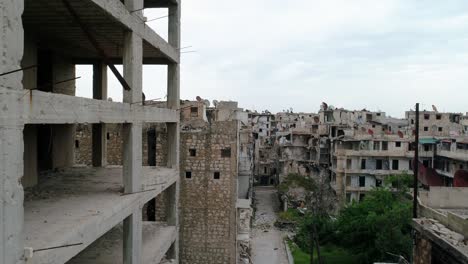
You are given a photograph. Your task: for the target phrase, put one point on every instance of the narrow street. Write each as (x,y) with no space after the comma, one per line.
(267,243)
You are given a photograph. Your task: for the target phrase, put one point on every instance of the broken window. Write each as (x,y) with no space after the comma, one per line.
(188,174)
(440,129)
(362,181)
(378,182)
(395,164)
(363,164)
(427,116)
(193,111)
(378,165)
(398,144)
(216,175)
(193,152)
(438,116)
(226,153)
(426,129)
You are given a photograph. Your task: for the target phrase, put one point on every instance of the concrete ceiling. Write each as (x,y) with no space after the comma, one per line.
(50,24)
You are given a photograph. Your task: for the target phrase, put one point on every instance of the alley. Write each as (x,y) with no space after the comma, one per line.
(267,243)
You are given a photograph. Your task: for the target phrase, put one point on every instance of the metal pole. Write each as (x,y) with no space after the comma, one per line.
(416,165)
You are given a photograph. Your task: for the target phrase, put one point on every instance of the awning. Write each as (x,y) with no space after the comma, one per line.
(425,141)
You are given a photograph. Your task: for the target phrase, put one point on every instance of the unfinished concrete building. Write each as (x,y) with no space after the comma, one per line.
(53,212)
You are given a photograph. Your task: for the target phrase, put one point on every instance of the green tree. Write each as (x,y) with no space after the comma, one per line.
(377,225)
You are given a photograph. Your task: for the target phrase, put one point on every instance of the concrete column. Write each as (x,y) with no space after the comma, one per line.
(63,136)
(99,130)
(173,129)
(11,134)
(132,137)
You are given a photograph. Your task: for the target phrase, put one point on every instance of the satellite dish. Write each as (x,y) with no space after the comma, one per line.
(215,103)
(400,134)
(434,108)
(370,131)
(199,99)
(206,102)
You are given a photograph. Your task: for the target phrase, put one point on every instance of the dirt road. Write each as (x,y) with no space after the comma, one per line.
(267,242)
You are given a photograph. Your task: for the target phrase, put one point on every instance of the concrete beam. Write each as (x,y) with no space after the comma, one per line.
(131,20)
(36,107)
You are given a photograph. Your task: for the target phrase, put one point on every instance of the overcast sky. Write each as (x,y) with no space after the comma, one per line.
(271,54)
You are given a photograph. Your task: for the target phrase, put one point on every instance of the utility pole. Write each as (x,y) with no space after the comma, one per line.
(416,165)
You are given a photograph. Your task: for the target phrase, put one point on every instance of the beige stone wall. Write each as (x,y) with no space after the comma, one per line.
(83,144)
(207,205)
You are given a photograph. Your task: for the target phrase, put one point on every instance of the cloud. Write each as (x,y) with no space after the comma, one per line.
(271,54)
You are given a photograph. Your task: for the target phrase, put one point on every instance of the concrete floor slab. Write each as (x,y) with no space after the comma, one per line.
(79,205)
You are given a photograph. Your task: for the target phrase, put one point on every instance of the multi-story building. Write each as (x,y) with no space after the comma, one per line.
(216,170)
(51,211)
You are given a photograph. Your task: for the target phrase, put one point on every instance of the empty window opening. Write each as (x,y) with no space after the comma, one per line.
(226,153)
(361,197)
(384,145)
(426,163)
(426,129)
(77,144)
(193,152)
(363,164)
(108,136)
(438,117)
(427,147)
(216,175)
(395,165)
(362,181)
(440,129)
(265,170)
(193,111)
(188,174)
(378,165)
(398,144)
(426,116)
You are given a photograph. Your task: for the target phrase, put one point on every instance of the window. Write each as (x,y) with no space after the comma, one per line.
(362,181)
(216,175)
(378,182)
(440,129)
(426,116)
(410,165)
(265,170)
(348,197)
(426,163)
(108,136)
(398,144)
(395,164)
(378,164)
(384,145)
(427,147)
(77,144)
(363,164)
(348,164)
(260,130)
(188,174)
(267,125)
(193,152)
(461,166)
(438,117)
(378,114)
(193,111)
(412,121)
(376,145)
(426,129)
(226,153)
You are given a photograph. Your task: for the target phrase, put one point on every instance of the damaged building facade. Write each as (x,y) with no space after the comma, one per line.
(216,169)
(54,211)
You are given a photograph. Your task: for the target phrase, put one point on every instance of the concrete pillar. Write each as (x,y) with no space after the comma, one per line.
(63,136)
(173,129)
(132,139)
(11,134)
(99,151)
(30,177)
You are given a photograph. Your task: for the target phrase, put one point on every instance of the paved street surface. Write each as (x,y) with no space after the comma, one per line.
(267,242)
